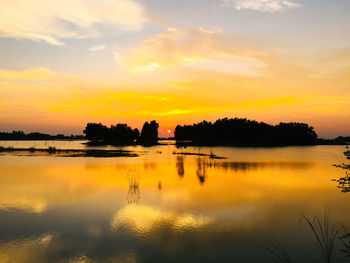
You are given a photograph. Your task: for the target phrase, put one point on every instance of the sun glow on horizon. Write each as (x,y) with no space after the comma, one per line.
(129,62)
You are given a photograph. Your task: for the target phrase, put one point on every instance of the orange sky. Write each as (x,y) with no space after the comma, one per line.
(269,62)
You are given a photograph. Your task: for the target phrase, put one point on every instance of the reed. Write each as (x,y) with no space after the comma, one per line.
(325,234)
(278,254)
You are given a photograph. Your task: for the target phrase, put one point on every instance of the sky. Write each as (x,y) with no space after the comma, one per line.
(66,63)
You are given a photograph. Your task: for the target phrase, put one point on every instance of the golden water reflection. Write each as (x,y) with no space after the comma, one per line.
(165,207)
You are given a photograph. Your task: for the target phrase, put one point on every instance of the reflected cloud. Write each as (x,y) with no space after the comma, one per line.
(143,218)
(84,217)
(27,250)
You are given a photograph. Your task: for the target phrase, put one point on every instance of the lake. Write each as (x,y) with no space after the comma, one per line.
(162,207)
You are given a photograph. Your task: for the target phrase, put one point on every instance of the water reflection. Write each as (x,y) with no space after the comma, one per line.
(247,166)
(143,218)
(133,195)
(180,168)
(149,166)
(201,170)
(86,209)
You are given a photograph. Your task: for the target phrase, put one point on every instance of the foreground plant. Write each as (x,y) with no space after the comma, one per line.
(324,233)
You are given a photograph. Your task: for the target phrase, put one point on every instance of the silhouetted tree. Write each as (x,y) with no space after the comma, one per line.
(149,133)
(123,134)
(96,132)
(116,134)
(246,132)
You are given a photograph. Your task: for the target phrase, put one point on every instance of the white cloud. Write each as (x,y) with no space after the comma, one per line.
(52,21)
(148,68)
(262,5)
(193,49)
(97,48)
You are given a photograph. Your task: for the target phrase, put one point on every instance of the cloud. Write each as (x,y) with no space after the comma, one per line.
(97,48)
(192,49)
(150,67)
(262,5)
(171,112)
(143,218)
(53,21)
(29,79)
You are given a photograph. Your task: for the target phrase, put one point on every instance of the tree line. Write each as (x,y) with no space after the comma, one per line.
(122,134)
(246,132)
(233,131)
(20,135)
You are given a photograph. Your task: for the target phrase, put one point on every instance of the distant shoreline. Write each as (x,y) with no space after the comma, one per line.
(185,144)
(56,152)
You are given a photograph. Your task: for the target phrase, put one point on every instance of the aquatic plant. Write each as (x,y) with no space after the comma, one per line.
(278,254)
(6,149)
(347,154)
(211,154)
(343,183)
(51,149)
(32,149)
(325,234)
(133,195)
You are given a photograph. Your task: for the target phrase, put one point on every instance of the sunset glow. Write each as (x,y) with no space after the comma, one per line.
(174,131)
(133,61)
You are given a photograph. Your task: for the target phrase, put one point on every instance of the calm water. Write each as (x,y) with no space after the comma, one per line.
(160,207)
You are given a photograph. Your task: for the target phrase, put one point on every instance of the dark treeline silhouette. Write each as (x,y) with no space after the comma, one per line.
(116,134)
(122,134)
(245,132)
(20,135)
(340,140)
